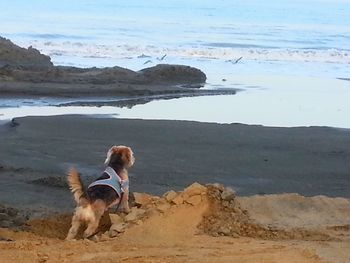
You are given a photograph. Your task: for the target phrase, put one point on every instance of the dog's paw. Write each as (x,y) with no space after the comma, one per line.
(93,238)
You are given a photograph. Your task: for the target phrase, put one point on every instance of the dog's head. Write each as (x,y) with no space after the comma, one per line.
(120,156)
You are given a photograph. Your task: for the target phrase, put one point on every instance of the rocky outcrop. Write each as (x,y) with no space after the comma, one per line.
(11,217)
(161,74)
(27,71)
(15,57)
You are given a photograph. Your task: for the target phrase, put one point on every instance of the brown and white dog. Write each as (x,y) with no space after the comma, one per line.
(111,188)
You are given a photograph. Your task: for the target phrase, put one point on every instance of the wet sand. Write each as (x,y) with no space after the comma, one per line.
(35,153)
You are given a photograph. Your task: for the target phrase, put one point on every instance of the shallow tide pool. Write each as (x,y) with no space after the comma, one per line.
(281,101)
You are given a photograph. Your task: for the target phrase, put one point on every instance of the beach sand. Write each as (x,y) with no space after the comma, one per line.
(273,171)
(198,224)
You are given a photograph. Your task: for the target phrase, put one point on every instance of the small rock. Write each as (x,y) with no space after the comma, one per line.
(5,223)
(234,234)
(178,200)
(155,198)
(134,214)
(228,194)
(194,200)
(2,209)
(116,219)
(42,257)
(224,230)
(6,239)
(112,234)
(142,199)
(117,229)
(170,196)
(4,216)
(195,189)
(217,186)
(163,207)
(19,220)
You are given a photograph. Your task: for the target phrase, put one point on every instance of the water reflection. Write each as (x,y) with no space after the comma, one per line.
(281,101)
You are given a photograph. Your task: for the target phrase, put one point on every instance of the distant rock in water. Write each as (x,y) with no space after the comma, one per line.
(174,73)
(13,56)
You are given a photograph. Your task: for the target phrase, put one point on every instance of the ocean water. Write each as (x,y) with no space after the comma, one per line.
(288,57)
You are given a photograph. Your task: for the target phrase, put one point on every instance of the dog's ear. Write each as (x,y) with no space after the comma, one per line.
(109,154)
(127,156)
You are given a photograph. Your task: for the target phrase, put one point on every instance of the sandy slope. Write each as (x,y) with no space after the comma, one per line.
(31,248)
(174,229)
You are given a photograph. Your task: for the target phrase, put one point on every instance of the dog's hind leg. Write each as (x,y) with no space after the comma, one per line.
(74,228)
(99,209)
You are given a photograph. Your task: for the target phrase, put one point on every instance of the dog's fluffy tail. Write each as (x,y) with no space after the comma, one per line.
(76,186)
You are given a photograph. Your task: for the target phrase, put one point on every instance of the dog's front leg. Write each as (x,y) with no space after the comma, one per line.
(125,202)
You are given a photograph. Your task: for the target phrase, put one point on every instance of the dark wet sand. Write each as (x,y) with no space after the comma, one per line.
(36,152)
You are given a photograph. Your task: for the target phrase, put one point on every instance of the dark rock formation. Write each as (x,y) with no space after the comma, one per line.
(13,56)
(173,73)
(27,71)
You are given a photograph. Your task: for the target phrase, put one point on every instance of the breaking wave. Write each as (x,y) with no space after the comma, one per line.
(229,53)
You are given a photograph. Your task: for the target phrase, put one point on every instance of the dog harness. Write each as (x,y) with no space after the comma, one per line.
(114,181)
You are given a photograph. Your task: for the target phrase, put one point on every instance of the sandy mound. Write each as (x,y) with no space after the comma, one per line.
(227,217)
(294,210)
(216,211)
(194,225)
